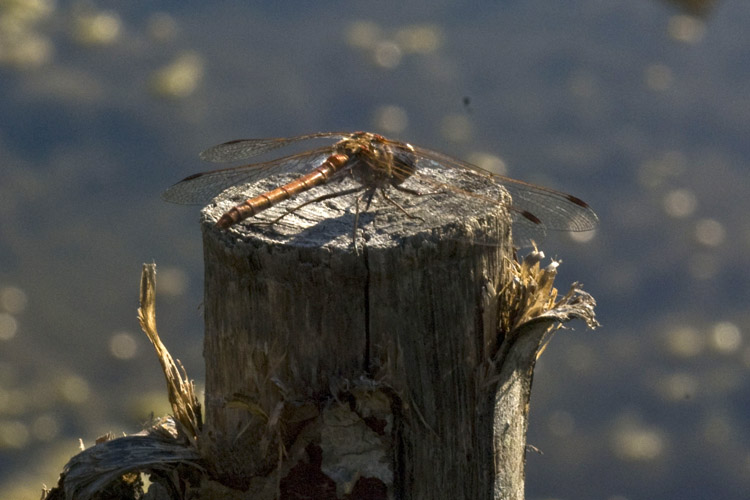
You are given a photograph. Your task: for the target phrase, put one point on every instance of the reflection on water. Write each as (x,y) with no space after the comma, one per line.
(386,46)
(180,78)
(96,28)
(632,440)
(123,345)
(8,326)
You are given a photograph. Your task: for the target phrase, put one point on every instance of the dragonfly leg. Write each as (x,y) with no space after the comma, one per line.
(369,194)
(417,193)
(397,205)
(407,190)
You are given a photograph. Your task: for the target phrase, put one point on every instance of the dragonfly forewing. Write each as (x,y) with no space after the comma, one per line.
(247,148)
(202,188)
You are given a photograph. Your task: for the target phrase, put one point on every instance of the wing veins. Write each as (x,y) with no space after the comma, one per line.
(556,210)
(202,188)
(241,149)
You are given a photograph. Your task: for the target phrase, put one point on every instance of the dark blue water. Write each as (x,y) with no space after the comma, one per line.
(625,104)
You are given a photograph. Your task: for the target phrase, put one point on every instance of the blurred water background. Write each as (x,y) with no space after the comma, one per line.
(640,107)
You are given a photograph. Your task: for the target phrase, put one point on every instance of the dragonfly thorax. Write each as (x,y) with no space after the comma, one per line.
(375,163)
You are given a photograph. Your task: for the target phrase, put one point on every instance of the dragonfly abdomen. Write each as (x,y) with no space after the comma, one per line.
(253,206)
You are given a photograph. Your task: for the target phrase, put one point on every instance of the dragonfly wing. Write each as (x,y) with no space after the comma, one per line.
(247,148)
(202,188)
(534,205)
(556,210)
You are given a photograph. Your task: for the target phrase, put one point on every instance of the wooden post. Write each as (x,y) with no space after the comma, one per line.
(402,370)
(377,374)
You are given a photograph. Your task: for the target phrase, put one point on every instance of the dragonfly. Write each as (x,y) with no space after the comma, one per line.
(376,164)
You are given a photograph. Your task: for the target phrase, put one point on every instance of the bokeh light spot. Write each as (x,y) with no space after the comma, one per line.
(13,434)
(686,29)
(489,162)
(709,232)
(8,326)
(122,345)
(456,128)
(171,281)
(726,337)
(391,119)
(680,203)
(638,444)
(74,389)
(100,28)
(684,342)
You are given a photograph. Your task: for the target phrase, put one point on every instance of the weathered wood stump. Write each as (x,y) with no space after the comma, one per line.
(397,368)
(373,374)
